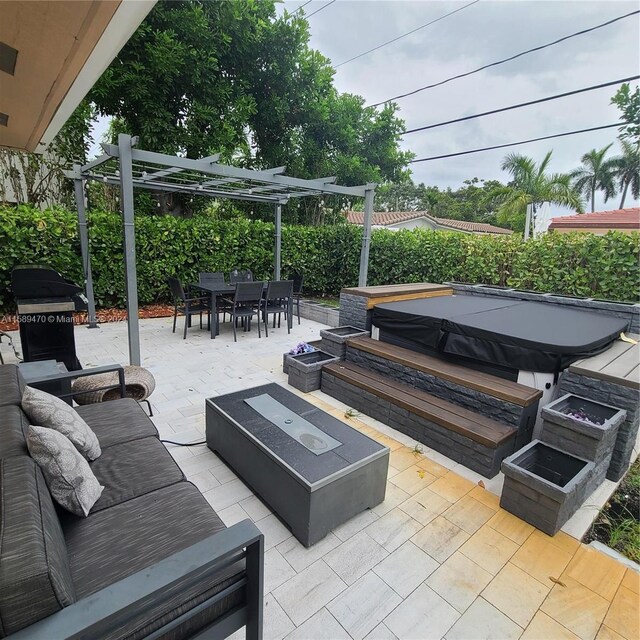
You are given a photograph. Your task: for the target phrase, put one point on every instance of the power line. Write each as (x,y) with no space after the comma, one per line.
(324,6)
(522,104)
(302,6)
(514,144)
(517,55)
(384,44)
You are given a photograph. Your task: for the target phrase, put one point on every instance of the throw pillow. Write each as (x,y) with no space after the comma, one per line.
(71,482)
(51,412)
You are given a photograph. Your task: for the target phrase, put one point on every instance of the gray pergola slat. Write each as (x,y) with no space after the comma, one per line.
(265,186)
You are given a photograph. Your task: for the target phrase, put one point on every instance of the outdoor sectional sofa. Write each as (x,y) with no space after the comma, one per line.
(152,559)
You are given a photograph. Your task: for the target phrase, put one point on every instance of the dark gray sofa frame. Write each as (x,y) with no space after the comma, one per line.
(111,609)
(100,612)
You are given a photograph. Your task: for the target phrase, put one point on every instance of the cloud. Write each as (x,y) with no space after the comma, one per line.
(483,33)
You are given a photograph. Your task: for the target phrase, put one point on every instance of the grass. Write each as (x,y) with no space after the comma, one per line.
(618,525)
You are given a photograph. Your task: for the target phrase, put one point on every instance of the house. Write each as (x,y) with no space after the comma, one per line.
(396,220)
(599,222)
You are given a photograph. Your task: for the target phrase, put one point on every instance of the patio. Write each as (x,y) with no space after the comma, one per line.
(438,558)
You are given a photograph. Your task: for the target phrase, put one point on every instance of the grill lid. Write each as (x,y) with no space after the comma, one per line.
(40,281)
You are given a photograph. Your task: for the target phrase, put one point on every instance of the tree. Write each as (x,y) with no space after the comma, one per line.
(38,178)
(629,103)
(201,77)
(627,170)
(531,185)
(595,174)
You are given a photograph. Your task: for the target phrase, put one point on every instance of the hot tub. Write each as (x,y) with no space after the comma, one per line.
(503,337)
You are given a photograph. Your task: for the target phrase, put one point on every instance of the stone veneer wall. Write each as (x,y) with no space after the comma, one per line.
(318,312)
(353,312)
(476,401)
(617,396)
(629,312)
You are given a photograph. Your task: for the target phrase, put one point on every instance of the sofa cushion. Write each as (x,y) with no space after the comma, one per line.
(45,410)
(114,543)
(131,469)
(11,385)
(35,580)
(71,482)
(13,431)
(117,421)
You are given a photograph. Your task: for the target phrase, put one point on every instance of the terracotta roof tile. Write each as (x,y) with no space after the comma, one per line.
(615,219)
(387,218)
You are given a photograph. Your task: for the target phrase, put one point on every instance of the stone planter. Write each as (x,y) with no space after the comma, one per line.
(544,486)
(285,356)
(334,341)
(592,438)
(305,369)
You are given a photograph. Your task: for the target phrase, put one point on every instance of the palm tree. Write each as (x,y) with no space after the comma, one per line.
(532,185)
(627,169)
(595,174)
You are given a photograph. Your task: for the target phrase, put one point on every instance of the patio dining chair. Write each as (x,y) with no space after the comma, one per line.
(298,281)
(247,303)
(277,301)
(185,303)
(240,275)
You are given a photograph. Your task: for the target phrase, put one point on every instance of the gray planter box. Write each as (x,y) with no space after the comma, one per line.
(593,438)
(305,370)
(285,356)
(334,341)
(544,486)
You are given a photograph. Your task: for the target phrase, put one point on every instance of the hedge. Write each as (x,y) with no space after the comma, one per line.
(575,264)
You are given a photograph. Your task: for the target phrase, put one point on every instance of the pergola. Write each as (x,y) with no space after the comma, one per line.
(129,167)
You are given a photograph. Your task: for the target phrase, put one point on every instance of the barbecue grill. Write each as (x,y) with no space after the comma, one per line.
(45,305)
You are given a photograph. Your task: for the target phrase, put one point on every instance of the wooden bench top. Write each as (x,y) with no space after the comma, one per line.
(448,415)
(619,364)
(477,380)
(391,290)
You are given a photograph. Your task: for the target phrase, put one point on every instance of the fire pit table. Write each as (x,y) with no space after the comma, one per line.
(312,469)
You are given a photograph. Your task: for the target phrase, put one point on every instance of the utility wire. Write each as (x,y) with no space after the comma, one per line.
(514,144)
(302,6)
(517,55)
(404,35)
(522,104)
(324,6)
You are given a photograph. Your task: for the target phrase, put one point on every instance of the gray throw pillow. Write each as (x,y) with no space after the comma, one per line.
(71,482)
(51,412)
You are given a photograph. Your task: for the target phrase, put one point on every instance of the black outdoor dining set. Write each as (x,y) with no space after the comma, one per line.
(240,297)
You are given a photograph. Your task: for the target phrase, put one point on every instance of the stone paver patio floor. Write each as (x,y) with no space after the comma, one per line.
(437,559)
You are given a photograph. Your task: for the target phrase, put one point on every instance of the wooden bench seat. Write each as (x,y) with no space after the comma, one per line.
(477,380)
(476,441)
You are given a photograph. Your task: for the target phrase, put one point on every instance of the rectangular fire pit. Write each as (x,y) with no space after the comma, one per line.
(312,469)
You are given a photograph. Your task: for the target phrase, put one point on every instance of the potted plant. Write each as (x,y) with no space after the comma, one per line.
(301,347)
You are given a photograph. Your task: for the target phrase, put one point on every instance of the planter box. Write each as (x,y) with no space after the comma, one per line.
(305,369)
(592,438)
(544,486)
(285,356)
(334,341)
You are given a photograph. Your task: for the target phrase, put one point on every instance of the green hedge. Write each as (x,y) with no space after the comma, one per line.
(575,264)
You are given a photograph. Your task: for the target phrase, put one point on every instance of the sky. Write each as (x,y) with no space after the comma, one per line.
(484,32)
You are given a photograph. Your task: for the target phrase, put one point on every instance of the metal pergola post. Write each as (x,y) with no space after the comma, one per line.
(277,257)
(369,193)
(126,200)
(83,234)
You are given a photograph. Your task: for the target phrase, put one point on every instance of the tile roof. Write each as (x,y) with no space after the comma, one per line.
(388,218)
(615,219)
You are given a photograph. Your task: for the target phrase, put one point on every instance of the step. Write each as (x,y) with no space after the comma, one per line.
(486,383)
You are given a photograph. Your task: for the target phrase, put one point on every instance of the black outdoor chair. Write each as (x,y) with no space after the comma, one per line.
(217,278)
(247,303)
(277,302)
(298,281)
(240,275)
(188,305)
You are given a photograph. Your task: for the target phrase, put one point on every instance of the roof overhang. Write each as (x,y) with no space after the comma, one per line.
(63,47)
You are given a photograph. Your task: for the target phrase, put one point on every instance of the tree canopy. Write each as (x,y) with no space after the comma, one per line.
(201,77)
(596,174)
(629,104)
